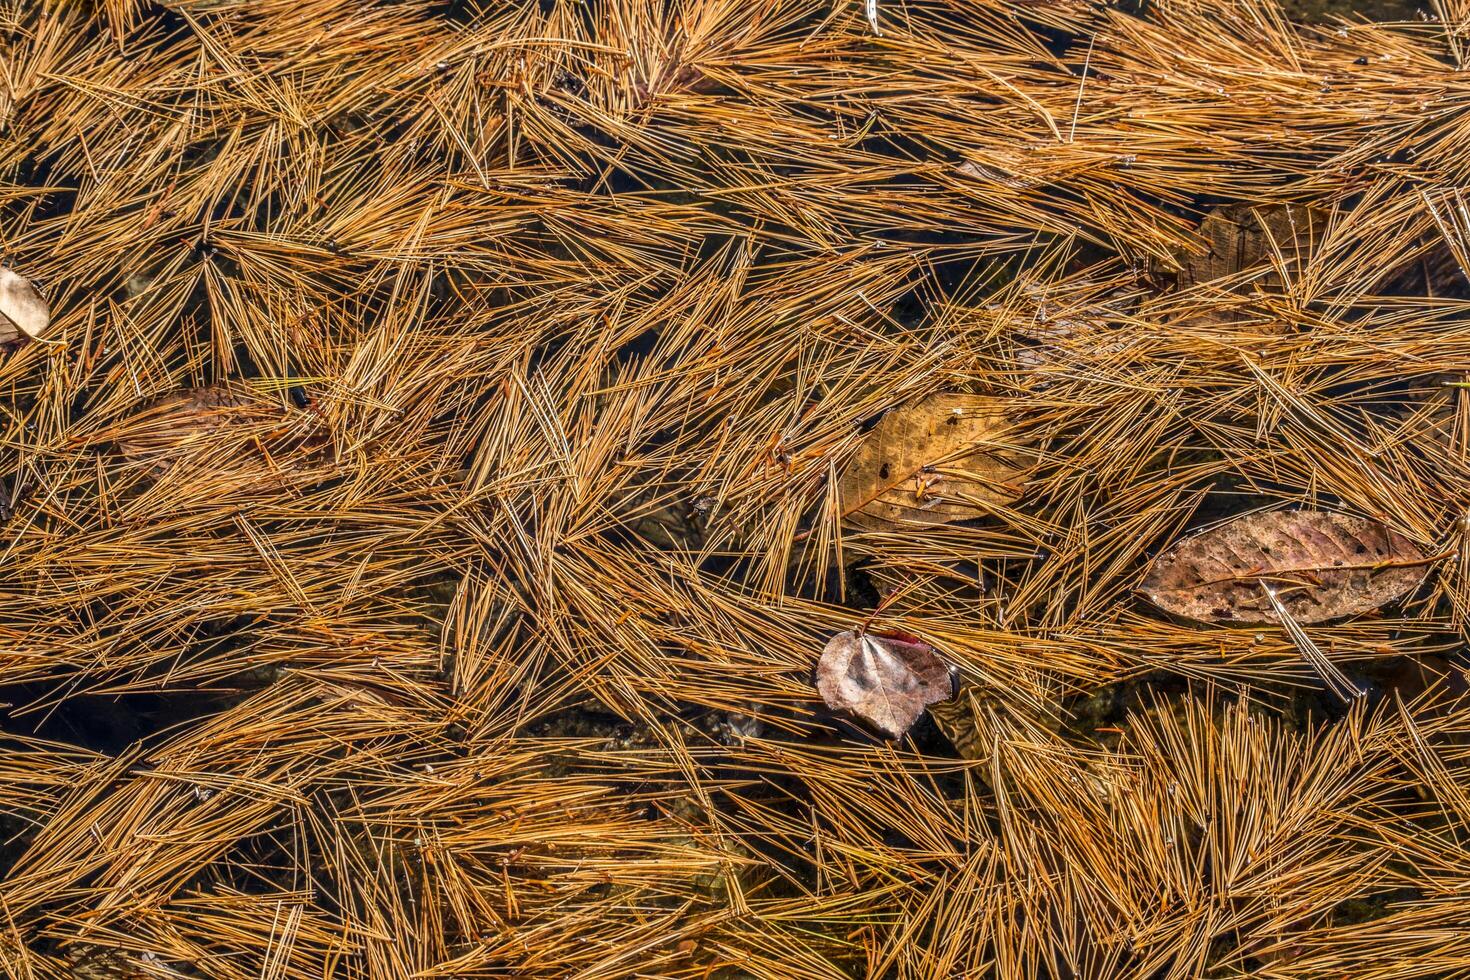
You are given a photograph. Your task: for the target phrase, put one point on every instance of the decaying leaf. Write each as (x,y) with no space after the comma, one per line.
(978,717)
(932,461)
(885,680)
(163,431)
(1240,237)
(23,311)
(1320,566)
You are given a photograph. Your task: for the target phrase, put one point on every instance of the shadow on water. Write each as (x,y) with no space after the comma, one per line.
(108,724)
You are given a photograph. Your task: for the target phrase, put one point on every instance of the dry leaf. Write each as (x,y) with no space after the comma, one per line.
(932,461)
(166,429)
(887,681)
(23,311)
(1337,682)
(1240,237)
(1320,565)
(1246,250)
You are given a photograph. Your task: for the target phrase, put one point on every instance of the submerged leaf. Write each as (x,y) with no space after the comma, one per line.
(1320,566)
(978,718)
(23,311)
(887,681)
(933,461)
(162,432)
(1239,238)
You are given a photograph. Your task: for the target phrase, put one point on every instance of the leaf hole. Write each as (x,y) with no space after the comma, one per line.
(883,473)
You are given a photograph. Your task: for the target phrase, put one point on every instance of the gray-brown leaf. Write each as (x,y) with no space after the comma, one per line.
(23,311)
(1322,566)
(933,461)
(886,681)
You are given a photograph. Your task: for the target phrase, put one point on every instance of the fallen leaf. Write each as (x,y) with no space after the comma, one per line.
(1337,682)
(1320,566)
(978,718)
(168,428)
(23,311)
(1241,237)
(932,461)
(885,680)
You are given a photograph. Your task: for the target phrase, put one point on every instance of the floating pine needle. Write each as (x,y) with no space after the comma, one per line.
(1337,682)
(472,417)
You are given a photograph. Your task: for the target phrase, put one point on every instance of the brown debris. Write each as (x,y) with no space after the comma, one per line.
(1241,239)
(1321,566)
(594,298)
(933,461)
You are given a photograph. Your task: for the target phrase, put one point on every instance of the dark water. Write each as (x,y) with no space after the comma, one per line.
(1318,11)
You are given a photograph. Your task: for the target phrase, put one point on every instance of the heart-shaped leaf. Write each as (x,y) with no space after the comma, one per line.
(1320,566)
(933,461)
(887,681)
(23,311)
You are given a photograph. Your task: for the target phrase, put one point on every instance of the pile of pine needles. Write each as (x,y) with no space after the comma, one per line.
(420,521)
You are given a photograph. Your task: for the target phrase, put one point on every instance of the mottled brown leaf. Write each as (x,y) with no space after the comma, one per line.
(887,681)
(933,461)
(1321,566)
(1240,237)
(979,717)
(171,427)
(23,311)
